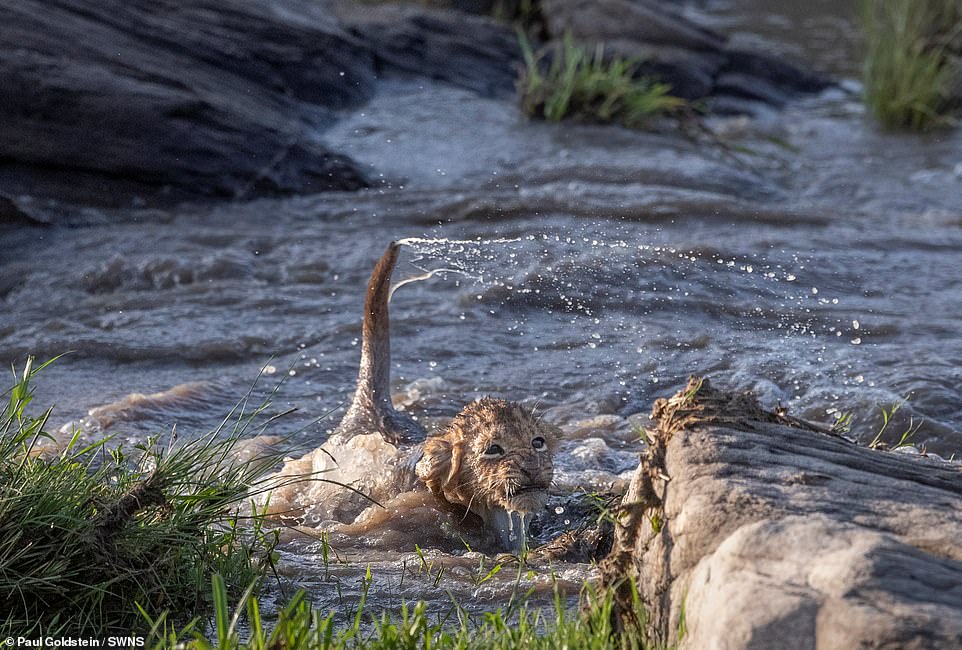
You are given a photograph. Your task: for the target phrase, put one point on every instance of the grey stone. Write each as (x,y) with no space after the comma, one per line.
(203,98)
(750,529)
(473,52)
(645,22)
(697,62)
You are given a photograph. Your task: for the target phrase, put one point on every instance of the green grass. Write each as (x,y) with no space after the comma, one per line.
(301,627)
(909,69)
(91,537)
(905,438)
(568,82)
(98,541)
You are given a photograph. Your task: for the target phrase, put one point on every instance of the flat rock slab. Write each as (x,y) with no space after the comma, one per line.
(472,52)
(697,62)
(749,529)
(203,98)
(118,101)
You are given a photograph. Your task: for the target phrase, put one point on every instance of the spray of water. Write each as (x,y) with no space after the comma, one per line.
(458,252)
(646,310)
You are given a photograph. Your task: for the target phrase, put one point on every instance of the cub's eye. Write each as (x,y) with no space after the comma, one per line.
(538,444)
(494,451)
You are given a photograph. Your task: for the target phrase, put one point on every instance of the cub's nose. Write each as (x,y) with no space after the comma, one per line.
(531,467)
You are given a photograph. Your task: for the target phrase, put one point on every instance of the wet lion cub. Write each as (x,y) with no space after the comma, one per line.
(494,459)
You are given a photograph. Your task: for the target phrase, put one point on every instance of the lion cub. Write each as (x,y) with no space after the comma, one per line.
(495,460)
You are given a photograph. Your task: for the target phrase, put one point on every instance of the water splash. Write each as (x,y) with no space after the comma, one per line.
(455,251)
(415,242)
(648,309)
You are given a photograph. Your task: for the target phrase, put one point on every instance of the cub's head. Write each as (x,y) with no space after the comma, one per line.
(495,456)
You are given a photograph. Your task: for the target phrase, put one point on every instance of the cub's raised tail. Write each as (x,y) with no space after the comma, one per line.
(371,410)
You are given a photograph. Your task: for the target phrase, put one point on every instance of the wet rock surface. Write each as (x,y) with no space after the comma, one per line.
(746,528)
(697,62)
(216,99)
(472,52)
(120,103)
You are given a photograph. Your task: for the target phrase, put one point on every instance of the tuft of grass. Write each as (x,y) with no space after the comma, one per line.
(94,537)
(300,627)
(906,437)
(910,70)
(843,423)
(568,82)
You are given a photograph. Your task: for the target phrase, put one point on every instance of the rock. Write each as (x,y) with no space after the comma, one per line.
(697,62)
(473,52)
(691,73)
(208,98)
(593,426)
(11,213)
(580,406)
(745,528)
(637,20)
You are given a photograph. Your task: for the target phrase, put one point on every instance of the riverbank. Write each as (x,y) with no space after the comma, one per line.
(724,488)
(591,270)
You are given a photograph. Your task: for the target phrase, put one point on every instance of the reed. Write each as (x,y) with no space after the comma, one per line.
(568,82)
(911,71)
(98,541)
(300,627)
(91,537)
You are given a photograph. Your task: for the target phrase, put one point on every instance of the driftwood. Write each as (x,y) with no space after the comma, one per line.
(744,528)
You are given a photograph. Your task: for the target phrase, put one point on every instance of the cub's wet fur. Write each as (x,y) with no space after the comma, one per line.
(371,410)
(494,459)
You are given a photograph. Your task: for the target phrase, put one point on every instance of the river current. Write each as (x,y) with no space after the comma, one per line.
(590,270)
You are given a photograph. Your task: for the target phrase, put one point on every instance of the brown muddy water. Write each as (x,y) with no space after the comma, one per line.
(590,270)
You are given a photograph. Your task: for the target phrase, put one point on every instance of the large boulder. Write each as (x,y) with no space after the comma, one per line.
(220,98)
(473,52)
(749,529)
(697,62)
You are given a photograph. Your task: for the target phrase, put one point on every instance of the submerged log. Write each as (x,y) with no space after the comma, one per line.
(745,528)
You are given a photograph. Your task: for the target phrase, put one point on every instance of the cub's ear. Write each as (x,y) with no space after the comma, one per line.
(440,464)
(435,464)
(457,458)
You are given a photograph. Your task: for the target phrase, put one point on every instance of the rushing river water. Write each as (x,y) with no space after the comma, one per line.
(601,268)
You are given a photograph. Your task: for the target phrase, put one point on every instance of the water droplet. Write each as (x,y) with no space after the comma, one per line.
(855,324)
(559,510)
